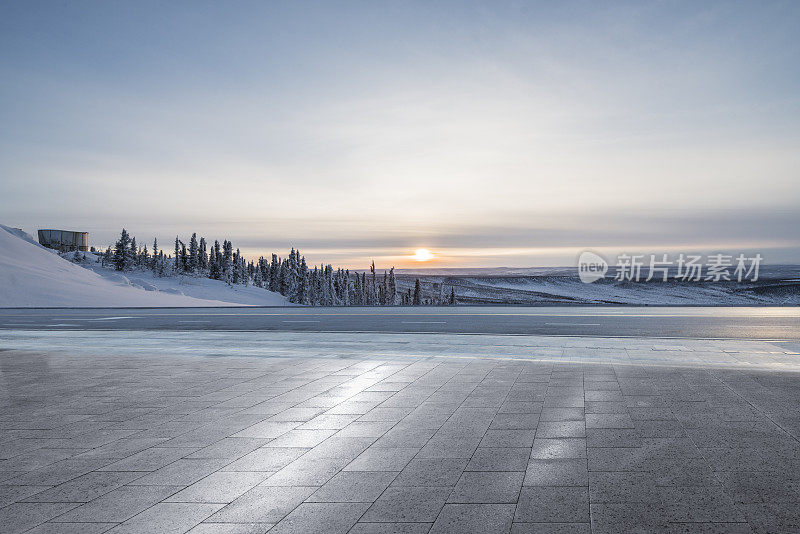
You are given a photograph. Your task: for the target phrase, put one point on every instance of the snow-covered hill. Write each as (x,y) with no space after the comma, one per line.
(33,276)
(565,288)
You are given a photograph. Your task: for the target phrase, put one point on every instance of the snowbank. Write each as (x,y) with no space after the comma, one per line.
(33,276)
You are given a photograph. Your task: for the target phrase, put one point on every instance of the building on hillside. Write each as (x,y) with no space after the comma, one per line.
(64,240)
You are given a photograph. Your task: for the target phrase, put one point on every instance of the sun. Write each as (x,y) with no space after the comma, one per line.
(422,254)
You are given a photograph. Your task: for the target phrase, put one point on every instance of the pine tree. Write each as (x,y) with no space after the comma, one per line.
(392,300)
(373,292)
(203,257)
(108,258)
(184,258)
(227,262)
(194,260)
(452,296)
(177,254)
(302,295)
(417,294)
(154,265)
(123,260)
(134,252)
(263,266)
(364,290)
(214,271)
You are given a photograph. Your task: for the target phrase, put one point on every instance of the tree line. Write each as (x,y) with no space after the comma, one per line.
(290,276)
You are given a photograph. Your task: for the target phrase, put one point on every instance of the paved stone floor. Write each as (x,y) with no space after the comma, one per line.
(163,443)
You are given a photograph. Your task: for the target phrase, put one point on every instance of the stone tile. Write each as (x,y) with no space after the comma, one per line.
(612,518)
(167,518)
(366,429)
(353,486)
(460,518)
(118,505)
(301,438)
(487,487)
(551,528)
(433,472)
(231,528)
(321,518)
(181,472)
(229,448)
(72,528)
(328,421)
(84,488)
(219,487)
(23,516)
(59,472)
(12,494)
(499,459)
(550,448)
(390,528)
(407,504)
(149,459)
(557,472)
(455,447)
(608,420)
(405,437)
(563,414)
(263,504)
(561,429)
(340,447)
(267,429)
(553,505)
(699,504)
(618,459)
(267,459)
(711,528)
(383,459)
(613,437)
(515,421)
(622,487)
(307,472)
(508,438)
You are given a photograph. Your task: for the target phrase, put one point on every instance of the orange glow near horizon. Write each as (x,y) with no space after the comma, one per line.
(423,254)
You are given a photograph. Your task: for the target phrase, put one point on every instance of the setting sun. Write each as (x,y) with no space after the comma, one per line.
(422,254)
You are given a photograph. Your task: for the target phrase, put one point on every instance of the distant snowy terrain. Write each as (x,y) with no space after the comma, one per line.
(33,276)
(778,287)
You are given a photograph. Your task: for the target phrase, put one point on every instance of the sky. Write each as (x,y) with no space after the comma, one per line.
(491,133)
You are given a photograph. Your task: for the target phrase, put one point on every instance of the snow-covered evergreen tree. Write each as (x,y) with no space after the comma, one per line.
(392,289)
(154,262)
(227,262)
(123,259)
(184,263)
(417,294)
(373,290)
(194,255)
(134,252)
(202,258)
(108,258)
(213,262)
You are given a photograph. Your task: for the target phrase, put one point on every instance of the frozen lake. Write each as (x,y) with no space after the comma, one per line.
(762,323)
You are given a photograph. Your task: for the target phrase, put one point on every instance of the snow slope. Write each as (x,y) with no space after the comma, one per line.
(198,287)
(33,276)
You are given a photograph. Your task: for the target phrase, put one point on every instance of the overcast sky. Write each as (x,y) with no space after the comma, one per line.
(492,133)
